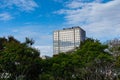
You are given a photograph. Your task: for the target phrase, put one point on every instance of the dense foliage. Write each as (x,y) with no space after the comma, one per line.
(91,61)
(18,60)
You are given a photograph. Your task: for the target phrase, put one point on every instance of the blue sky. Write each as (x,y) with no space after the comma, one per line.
(37,19)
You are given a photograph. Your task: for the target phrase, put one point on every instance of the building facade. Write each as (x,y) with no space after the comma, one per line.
(67,39)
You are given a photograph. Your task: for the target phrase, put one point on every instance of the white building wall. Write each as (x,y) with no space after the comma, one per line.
(68,39)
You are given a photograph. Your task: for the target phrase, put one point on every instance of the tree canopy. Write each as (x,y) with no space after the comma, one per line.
(90,61)
(18,60)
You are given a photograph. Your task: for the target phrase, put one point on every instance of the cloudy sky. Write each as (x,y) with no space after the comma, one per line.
(37,19)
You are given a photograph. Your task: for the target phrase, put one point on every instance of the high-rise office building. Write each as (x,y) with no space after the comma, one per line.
(67,39)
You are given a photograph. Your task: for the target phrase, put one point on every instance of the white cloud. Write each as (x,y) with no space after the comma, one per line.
(5,16)
(37,32)
(42,38)
(100,20)
(23,5)
(75,4)
(45,50)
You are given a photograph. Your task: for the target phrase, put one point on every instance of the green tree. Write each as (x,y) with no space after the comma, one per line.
(88,62)
(18,60)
